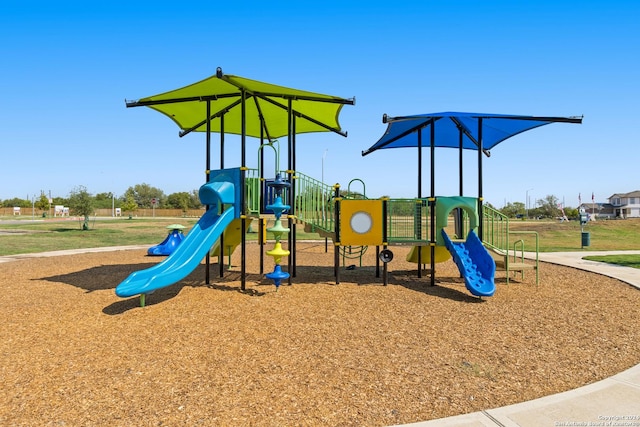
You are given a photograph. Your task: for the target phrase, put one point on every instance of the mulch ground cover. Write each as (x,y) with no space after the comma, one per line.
(314,353)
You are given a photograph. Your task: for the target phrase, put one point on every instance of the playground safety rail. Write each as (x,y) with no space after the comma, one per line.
(313,199)
(408,221)
(314,202)
(496,236)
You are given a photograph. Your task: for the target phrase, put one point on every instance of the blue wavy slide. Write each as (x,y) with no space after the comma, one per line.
(475,263)
(193,248)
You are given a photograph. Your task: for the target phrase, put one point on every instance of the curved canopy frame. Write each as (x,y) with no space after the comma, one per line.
(459,130)
(267,107)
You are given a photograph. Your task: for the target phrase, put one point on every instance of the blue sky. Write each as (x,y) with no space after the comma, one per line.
(67,68)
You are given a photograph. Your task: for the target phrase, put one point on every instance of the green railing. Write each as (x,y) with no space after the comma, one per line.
(408,221)
(314,203)
(519,251)
(253,186)
(497,236)
(495,229)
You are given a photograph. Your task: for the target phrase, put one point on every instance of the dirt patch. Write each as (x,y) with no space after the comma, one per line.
(314,353)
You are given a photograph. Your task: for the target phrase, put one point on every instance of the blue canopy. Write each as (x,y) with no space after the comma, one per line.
(458,130)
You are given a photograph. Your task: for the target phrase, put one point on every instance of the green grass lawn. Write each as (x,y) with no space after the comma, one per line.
(603,235)
(623,260)
(558,236)
(52,235)
(25,236)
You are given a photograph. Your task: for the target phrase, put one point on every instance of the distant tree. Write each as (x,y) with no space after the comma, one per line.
(548,207)
(42,203)
(81,203)
(180,200)
(144,193)
(60,201)
(194,200)
(571,212)
(129,204)
(512,210)
(104,200)
(17,202)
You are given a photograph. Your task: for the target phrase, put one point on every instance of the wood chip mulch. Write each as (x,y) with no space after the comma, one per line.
(311,354)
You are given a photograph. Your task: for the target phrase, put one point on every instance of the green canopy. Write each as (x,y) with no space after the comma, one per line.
(267,107)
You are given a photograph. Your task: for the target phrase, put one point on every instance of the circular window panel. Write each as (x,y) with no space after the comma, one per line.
(361,222)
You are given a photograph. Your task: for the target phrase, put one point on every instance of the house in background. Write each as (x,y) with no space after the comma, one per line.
(626,205)
(621,205)
(598,210)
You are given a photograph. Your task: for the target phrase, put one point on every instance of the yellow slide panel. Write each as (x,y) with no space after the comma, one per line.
(441,252)
(232,236)
(361,222)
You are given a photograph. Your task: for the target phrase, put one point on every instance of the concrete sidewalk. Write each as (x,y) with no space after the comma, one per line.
(614,401)
(9,258)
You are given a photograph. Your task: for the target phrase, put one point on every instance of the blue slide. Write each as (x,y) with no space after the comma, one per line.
(475,264)
(183,260)
(186,257)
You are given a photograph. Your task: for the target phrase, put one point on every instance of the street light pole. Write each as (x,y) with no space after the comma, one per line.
(526,201)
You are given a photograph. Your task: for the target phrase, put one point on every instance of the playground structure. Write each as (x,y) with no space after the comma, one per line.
(480,240)
(278,208)
(348,222)
(387,222)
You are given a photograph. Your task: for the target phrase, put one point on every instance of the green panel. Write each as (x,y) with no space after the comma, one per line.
(408,221)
